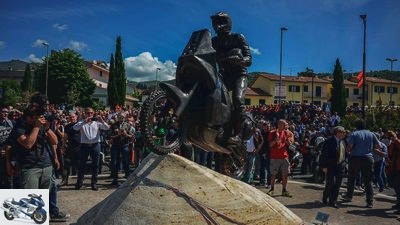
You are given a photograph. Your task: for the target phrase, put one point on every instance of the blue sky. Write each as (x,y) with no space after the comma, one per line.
(154,32)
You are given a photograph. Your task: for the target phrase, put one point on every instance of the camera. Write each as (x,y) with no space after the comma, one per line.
(49,117)
(40,101)
(94,118)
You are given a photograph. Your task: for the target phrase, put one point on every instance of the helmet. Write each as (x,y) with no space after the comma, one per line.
(221,22)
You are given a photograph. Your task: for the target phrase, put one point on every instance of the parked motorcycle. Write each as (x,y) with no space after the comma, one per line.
(31,207)
(197,110)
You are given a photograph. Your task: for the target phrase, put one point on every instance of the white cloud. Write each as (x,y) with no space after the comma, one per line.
(39,43)
(60,27)
(34,59)
(2,44)
(144,66)
(255,51)
(76,45)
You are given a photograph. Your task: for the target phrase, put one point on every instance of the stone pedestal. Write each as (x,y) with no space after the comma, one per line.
(173,190)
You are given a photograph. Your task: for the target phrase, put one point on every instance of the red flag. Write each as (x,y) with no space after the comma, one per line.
(277,107)
(360,79)
(359,75)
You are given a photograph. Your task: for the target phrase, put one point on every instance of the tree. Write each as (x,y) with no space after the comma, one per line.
(67,74)
(338,97)
(11,93)
(26,84)
(120,76)
(112,91)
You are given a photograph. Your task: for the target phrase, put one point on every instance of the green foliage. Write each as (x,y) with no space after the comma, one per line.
(26,84)
(120,75)
(67,74)
(97,105)
(11,93)
(384,117)
(112,91)
(338,98)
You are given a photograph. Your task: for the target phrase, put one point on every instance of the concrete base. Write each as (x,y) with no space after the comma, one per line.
(173,190)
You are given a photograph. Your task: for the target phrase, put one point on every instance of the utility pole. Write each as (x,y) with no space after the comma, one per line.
(364,18)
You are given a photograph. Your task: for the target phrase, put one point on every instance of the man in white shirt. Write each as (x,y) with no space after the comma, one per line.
(90,145)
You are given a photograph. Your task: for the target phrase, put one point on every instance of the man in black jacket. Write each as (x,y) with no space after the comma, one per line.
(332,162)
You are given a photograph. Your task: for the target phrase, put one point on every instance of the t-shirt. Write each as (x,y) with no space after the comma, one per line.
(74,136)
(363,142)
(5,129)
(278,150)
(38,156)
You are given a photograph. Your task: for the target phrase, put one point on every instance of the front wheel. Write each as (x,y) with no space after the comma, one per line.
(8,216)
(39,217)
(160,132)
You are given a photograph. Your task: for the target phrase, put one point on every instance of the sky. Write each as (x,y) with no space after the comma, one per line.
(154,32)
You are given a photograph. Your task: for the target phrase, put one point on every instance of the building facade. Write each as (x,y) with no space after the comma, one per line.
(265,89)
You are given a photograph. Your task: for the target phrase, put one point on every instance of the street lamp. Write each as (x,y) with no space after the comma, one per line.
(391,77)
(364,18)
(157,69)
(47,64)
(280,66)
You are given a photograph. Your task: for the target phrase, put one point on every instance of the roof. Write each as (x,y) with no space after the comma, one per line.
(14,65)
(256,92)
(275,77)
(97,65)
(374,80)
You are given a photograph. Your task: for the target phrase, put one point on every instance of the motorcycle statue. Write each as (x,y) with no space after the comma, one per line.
(197,110)
(31,207)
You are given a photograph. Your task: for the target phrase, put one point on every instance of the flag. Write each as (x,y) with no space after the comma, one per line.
(360,79)
(277,107)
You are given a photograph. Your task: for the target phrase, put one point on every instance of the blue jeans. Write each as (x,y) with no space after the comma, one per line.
(53,195)
(378,168)
(84,152)
(36,178)
(264,168)
(200,156)
(251,159)
(119,154)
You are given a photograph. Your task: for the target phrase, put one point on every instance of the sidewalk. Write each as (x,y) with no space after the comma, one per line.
(306,203)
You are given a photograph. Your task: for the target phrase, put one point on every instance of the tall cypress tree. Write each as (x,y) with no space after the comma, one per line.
(26,84)
(120,76)
(112,91)
(338,98)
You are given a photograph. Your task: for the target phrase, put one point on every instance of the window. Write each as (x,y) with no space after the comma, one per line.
(101,73)
(379,89)
(305,88)
(318,91)
(261,101)
(356,91)
(294,88)
(346,90)
(247,101)
(394,90)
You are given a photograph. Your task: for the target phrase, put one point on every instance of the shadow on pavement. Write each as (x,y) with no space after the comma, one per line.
(376,212)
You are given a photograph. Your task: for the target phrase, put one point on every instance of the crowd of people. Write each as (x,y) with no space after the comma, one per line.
(369,159)
(40,149)
(39,145)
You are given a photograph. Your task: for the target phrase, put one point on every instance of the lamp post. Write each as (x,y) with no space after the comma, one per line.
(364,18)
(391,77)
(47,64)
(157,69)
(280,67)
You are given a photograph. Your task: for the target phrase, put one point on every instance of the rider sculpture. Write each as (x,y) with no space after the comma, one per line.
(233,56)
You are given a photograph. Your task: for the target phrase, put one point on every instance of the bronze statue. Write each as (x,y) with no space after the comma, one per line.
(197,110)
(233,56)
